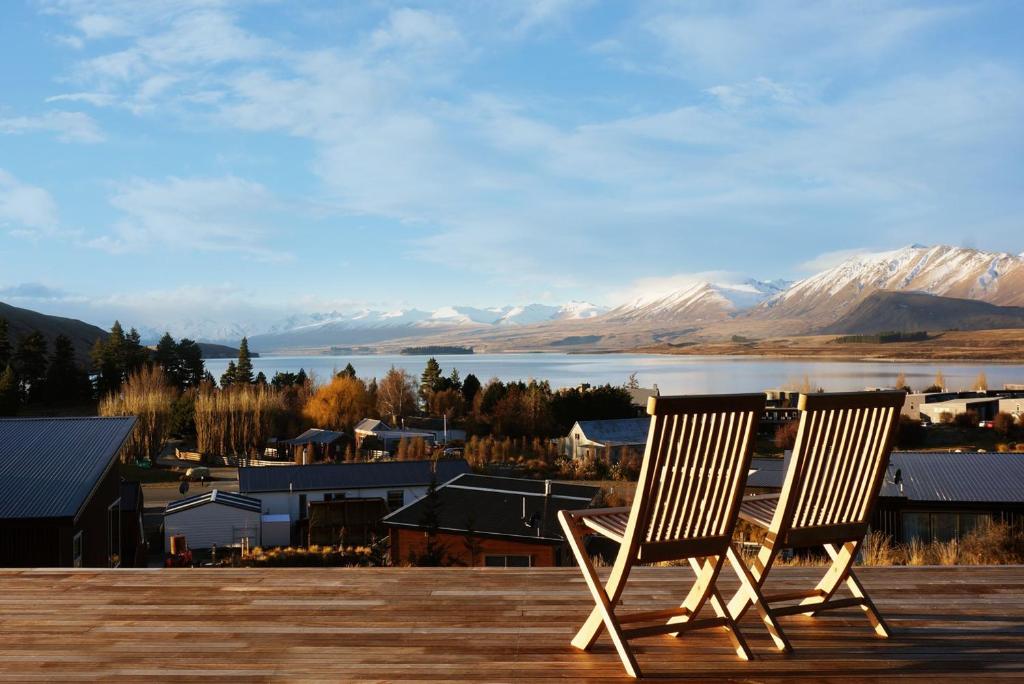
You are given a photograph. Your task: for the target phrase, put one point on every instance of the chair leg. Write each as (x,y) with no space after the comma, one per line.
(705,589)
(857,589)
(756,599)
(603,605)
(742,601)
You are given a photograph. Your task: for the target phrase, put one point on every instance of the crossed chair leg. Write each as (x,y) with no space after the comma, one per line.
(811,602)
(675,621)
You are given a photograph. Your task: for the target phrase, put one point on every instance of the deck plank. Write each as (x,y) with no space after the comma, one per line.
(456,624)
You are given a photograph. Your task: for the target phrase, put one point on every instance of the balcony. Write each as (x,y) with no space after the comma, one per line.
(461,624)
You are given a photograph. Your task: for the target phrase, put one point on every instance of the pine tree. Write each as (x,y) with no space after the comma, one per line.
(430,379)
(30,364)
(470,387)
(243,371)
(228,377)
(5,343)
(261,379)
(454,380)
(166,357)
(10,395)
(136,355)
(66,381)
(190,359)
(348,371)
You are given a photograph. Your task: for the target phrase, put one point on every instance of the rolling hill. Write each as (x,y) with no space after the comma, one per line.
(886,311)
(23,321)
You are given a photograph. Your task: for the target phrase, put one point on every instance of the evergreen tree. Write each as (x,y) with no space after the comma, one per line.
(348,371)
(66,381)
(166,357)
(10,395)
(136,355)
(301,378)
(30,364)
(190,362)
(107,358)
(243,371)
(430,379)
(454,380)
(261,379)
(5,343)
(470,387)
(228,377)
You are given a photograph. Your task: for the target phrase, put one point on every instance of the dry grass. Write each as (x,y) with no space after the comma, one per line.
(311,556)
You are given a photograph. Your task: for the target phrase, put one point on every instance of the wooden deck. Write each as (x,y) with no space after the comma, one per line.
(458,624)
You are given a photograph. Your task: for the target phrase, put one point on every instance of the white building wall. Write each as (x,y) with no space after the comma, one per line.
(1013,406)
(212,523)
(288,502)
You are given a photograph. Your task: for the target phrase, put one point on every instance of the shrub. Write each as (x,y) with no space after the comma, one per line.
(785,435)
(966,419)
(147,396)
(1003,423)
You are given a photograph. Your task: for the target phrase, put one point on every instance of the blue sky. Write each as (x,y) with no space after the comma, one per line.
(171,159)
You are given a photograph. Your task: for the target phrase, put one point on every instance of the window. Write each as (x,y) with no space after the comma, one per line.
(76,550)
(507,561)
(944,526)
(396,499)
(114,534)
(334,496)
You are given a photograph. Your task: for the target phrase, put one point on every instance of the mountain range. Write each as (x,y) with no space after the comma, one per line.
(843,298)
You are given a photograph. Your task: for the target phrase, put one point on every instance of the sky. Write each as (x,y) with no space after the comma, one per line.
(168,160)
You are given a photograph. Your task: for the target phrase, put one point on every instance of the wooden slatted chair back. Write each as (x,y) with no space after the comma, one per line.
(839,459)
(694,470)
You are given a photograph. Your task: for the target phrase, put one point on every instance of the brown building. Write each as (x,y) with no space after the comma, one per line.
(60,491)
(489,521)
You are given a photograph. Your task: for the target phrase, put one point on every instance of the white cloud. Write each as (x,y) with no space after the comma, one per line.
(828,260)
(32,291)
(416,30)
(226,214)
(26,210)
(68,126)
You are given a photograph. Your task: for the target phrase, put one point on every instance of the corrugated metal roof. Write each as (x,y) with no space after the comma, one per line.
(965,477)
(214,496)
(494,506)
(371,425)
(299,478)
(49,466)
(616,431)
(316,436)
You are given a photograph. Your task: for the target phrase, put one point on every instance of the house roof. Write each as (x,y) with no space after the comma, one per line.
(987,477)
(214,496)
(371,425)
(640,395)
(616,431)
(316,436)
(49,467)
(493,506)
(767,472)
(346,475)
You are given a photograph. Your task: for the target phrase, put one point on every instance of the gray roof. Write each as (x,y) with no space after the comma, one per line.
(493,507)
(966,477)
(767,472)
(316,436)
(616,431)
(371,425)
(346,475)
(49,467)
(640,395)
(214,496)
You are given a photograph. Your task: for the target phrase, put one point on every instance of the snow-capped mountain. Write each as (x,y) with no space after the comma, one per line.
(997,278)
(699,302)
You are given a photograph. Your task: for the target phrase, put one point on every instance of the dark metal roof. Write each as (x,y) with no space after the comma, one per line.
(299,478)
(493,506)
(371,425)
(967,477)
(616,431)
(767,473)
(316,436)
(49,467)
(214,496)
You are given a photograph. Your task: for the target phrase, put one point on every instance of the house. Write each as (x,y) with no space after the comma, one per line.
(943,496)
(1014,406)
(316,445)
(386,438)
(984,407)
(60,491)
(441,430)
(490,521)
(213,518)
(133,533)
(347,522)
(608,438)
(289,490)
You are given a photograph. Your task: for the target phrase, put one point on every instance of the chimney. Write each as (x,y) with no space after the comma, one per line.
(547,487)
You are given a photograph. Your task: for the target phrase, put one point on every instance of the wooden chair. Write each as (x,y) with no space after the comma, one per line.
(835,472)
(687,499)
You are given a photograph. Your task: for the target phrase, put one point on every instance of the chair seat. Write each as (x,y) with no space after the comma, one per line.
(610,522)
(759,509)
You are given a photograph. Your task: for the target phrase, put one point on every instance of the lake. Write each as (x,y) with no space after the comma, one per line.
(672,374)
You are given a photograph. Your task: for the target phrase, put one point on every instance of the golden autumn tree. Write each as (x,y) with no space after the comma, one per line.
(338,405)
